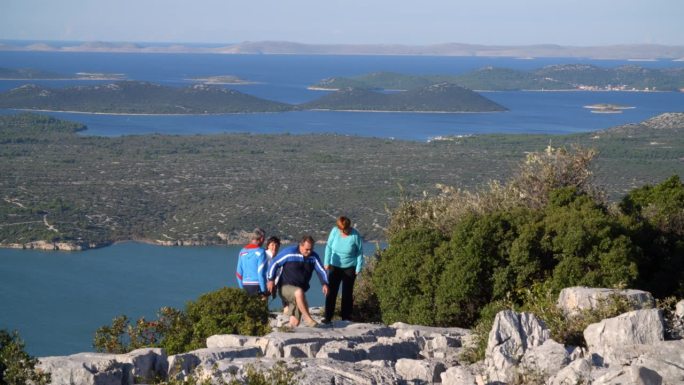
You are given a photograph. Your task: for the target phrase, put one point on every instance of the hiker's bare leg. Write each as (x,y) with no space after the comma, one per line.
(302,305)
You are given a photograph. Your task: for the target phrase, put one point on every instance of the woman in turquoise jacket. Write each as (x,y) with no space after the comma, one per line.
(343,260)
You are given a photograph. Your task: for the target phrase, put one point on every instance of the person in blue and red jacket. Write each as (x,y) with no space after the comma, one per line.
(298,262)
(251,266)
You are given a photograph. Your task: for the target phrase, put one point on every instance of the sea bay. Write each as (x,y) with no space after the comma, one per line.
(56,300)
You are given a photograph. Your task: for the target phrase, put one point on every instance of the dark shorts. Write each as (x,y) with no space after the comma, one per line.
(252,289)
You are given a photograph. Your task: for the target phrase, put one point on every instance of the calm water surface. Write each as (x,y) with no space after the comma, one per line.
(56,300)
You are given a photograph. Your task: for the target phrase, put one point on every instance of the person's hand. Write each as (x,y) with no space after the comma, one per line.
(270,286)
(326,267)
(325,290)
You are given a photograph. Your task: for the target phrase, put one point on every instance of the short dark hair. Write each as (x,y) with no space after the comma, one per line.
(307,239)
(273,239)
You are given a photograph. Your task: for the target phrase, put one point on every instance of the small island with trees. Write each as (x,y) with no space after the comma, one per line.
(579,77)
(137,97)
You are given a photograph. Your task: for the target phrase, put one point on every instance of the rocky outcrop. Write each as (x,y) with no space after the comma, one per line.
(628,349)
(572,300)
(106,369)
(512,335)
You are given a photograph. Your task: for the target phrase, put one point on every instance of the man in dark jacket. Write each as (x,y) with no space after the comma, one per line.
(298,263)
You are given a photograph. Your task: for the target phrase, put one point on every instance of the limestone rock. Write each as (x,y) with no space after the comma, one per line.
(573,299)
(458,375)
(105,369)
(679,309)
(185,363)
(421,371)
(577,372)
(607,340)
(511,336)
(545,359)
(86,369)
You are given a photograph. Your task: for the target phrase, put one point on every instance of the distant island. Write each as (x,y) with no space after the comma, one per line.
(605,108)
(442,97)
(36,74)
(221,79)
(582,77)
(636,52)
(135,97)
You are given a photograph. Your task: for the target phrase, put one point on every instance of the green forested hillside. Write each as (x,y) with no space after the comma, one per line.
(441,97)
(133,97)
(58,185)
(554,77)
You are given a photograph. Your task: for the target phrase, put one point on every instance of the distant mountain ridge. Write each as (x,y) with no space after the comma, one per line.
(621,52)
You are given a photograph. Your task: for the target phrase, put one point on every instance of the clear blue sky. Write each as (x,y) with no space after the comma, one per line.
(505,22)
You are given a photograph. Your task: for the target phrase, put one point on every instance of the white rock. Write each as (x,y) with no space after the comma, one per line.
(422,371)
(86,369)
(607,340)
(458,375)
(573,299)
(679,309)
(185,363)
(511,335)
(546,359)
(104,368)
(577,372)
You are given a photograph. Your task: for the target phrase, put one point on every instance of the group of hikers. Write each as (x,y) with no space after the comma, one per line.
(269,271)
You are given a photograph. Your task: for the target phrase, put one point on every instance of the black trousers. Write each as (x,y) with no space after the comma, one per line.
(346,277)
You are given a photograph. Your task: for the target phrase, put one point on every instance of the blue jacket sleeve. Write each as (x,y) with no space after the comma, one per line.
(239,272)
(261,271)
(322,276)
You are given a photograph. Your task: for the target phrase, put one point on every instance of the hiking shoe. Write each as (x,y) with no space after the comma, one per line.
(311,323)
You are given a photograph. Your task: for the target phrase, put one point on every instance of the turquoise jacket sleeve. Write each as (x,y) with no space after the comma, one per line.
(359,258)
(327,258)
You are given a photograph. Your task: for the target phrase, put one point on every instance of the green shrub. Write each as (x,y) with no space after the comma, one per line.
(472,262)
(657,220)
(590,247)
(16,366)
(366,303)
(406,276)
(225,311)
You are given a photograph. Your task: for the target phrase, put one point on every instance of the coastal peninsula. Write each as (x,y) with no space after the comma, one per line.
(67,190)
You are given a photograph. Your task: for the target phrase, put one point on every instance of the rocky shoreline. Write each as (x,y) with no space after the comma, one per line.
(627,349)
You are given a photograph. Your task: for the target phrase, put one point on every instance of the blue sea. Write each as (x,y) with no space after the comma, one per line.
(57,300)
(285,78)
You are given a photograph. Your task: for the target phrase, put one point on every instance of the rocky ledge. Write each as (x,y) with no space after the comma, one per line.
(628,349)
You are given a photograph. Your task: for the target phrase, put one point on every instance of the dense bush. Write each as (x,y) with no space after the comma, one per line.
(406,276)
(450,256)
(16,366)
(657,215)
(225,311)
